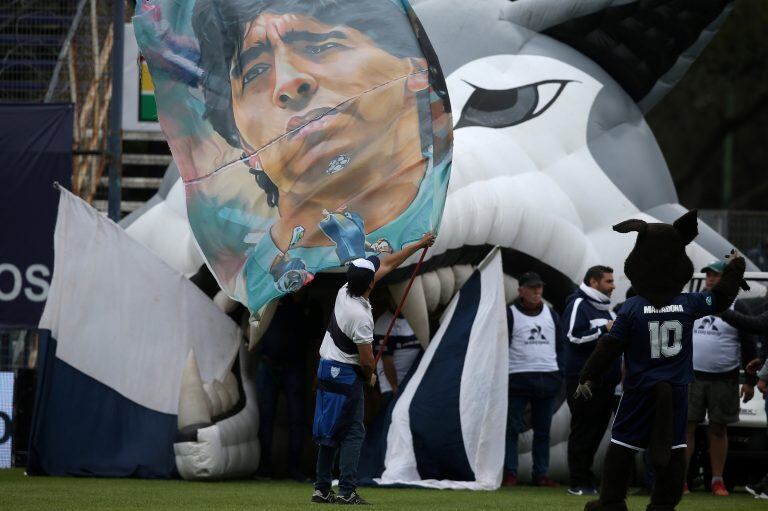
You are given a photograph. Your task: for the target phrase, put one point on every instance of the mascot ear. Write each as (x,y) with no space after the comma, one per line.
(630,226)
(688,226)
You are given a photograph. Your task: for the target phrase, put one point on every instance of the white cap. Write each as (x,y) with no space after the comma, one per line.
(363,263)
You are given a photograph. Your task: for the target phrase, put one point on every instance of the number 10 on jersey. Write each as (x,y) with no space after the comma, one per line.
(666,338)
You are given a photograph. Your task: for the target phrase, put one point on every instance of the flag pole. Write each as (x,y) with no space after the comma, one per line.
(399,306)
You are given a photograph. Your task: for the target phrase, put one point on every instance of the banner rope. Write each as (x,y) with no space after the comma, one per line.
(399,307)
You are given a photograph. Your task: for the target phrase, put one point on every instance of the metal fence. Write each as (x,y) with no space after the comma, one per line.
(59,51)
(745,229)
(31,35)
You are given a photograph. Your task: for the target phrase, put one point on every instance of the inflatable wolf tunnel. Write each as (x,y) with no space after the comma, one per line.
(550,144)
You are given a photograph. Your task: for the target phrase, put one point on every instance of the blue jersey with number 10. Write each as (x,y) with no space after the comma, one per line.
(658,343)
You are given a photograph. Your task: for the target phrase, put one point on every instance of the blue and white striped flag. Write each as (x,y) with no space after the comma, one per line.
(448,425)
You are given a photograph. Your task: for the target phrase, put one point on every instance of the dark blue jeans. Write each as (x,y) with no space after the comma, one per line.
(349,456)
(271,380)
(541,419)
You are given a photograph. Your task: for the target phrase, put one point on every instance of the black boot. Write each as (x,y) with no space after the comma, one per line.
(616,472)
(668,483)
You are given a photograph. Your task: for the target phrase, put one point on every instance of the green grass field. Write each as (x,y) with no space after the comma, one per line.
(21,493)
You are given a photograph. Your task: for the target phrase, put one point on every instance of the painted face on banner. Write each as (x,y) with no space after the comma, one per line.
(320,132)
(288,73)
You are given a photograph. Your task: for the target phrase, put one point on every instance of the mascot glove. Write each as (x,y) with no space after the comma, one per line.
(584,390)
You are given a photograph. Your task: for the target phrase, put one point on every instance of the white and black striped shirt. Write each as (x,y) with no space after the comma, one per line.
(351,324)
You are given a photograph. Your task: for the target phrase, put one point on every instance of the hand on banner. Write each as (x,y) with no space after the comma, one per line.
(427,240)
(395,259)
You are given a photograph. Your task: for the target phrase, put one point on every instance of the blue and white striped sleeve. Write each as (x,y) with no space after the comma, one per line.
(580,329)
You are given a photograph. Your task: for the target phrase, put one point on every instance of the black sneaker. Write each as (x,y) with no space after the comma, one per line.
(351,499)
(318,497)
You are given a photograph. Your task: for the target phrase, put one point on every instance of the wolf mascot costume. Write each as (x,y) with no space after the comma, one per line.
(653,331)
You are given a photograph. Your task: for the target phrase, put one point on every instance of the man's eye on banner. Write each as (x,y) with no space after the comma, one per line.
(307,132)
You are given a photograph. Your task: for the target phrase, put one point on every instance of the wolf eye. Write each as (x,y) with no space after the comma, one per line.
(509,107)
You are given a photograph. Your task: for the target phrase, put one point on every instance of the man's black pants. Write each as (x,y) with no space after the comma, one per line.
(271,380)
(589,419)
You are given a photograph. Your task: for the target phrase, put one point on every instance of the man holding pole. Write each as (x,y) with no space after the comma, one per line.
(346,362)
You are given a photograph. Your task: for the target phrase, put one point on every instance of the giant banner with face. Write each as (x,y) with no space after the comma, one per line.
(307,132)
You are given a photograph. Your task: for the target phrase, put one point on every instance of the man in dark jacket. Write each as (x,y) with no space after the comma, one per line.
(752,324)
(758,325)
(282,370)
(535,377)
(586,318)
